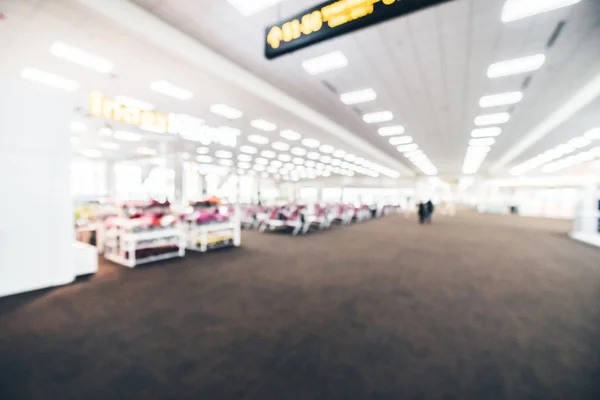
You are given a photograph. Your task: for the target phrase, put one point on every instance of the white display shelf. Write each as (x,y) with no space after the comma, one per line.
(206,237)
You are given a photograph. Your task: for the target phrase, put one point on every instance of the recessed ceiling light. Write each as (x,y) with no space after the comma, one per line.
(411,154)
(339,153)
(171,90)
(244,157)
(91,153)
(492,119)
(134,103)
(298,151)
(310,143)
(263,125)
(407,147)
(127,136)
(593,134)
(500,99)
(325,63)
(482,142)
(518,9)
(146,151)
(258,139)
(78,127)
(325,159)
(327,149)
(284,157)
(486,132)
(290,135)
(268,154)
(226,162)
(349,157)
(396,140)
(223,154)
(298,161)
(204,159)
(391,130)
(280,146)
(202,150)
(313,155)
(358,96)
(109,145)
(244,165)
(47,78)
(259,167)
(516,66)
(381,116)
(83,58)
(248,149)
(261,161)
(276,163)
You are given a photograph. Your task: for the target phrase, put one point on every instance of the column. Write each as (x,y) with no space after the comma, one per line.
(37,227)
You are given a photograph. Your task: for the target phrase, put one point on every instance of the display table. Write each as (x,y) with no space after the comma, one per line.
(586,227)
(204,237)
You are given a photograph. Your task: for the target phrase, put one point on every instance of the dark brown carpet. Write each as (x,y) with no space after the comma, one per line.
(474,307)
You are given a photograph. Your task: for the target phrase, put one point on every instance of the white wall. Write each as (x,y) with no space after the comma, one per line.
(36,227)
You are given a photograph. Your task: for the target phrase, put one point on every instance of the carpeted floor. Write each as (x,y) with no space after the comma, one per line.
(473,307)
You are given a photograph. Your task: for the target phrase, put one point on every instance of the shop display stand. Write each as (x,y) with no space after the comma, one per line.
(586,226)
(122,246)
(213,236)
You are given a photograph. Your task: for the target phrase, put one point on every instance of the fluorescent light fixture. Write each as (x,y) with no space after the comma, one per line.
(482,142)
(358,96)
(109,145)
(284,157)
(327,149)
(391,130)
(281,146)
(350,157)
(78,127)
(47,78)
(313,155)
(593,134)
(134,103)
(486,132)
(500,99)
(225,162)
(381,116)
(263,125)
(146,151)
(298,151)
(325,63)
(244,157)
(325,159)
(91,153)
(83,58)
(478,149)
(407,147)
(204,159)
(310,143)
(516,66)
(250,7)
(290,135)
(396,140)
(258,139)
(248,149)
(339,153)
(202,150)
(223,154)
(517,9)
(412,154)
(268,154)
(579,142)
(309,163)
(298,161)
(244,165)
(226,111)
(127,136)
(168,89)
(276,163)
(259,168)
(492,119)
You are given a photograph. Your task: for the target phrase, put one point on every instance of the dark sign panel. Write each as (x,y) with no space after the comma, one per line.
(334,18)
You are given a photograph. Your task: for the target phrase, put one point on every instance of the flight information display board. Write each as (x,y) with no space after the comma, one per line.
(334,18)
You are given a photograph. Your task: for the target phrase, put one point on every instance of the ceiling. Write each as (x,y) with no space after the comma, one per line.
(428,68)
(30,27)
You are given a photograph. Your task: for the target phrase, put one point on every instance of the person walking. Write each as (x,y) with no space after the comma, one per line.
(422,212)
(428,211)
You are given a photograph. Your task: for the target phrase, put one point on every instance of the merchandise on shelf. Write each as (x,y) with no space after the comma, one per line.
(210,225)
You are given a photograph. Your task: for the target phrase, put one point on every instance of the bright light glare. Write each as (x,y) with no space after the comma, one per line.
(168,89)
(492,119)
(517,9)
(263,125)
(311,143)
(358,96)
(400,140)
(500,99)
(486,132)
(381,116)
(280,146)
(391,130)
(290,135)
(407,147)
(47,78)
(482,142)
(258,139)
(516,66)
(83,58)
(325,63)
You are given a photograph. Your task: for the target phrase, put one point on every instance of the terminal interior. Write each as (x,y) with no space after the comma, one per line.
(300,199)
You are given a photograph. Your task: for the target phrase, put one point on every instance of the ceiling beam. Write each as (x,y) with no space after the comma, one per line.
(146,25)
